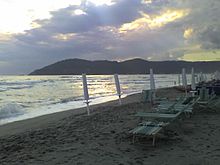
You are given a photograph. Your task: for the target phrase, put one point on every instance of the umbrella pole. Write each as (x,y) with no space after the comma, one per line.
(119,99)
(87,107)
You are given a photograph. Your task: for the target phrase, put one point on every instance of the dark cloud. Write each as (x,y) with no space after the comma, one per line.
(64,20)
(210,38)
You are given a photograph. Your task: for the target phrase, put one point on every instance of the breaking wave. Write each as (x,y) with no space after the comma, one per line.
(11,110)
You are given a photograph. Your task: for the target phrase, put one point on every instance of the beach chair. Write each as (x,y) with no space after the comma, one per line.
(167,104)
(174,110)
(208,99)
(148,129)
(157,116)
(185,106)
(213,104)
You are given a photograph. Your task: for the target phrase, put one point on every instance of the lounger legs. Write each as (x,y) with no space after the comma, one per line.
(153,143)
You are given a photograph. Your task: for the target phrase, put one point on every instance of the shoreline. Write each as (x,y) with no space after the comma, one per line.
(43,120)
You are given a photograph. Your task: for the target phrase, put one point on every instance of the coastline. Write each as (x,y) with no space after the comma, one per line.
(43,121)
(102,138)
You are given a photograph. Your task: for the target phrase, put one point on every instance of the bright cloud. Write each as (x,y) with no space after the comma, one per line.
(202,55)
(17,16)
(64,37)
(153,21)
(188,33)
(102,2)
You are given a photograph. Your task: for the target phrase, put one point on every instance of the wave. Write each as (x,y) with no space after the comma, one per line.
(66,100)
(11,110)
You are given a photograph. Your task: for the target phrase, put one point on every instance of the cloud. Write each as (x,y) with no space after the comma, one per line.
(210,38)
(150,29)
(65,21)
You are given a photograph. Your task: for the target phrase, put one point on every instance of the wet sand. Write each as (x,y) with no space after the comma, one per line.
(72,137)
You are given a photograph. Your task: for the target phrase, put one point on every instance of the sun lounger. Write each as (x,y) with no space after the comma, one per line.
(174,110)
(167,104)
(180,106)
(205,102)
(213,104)
(158,116)
(148,129)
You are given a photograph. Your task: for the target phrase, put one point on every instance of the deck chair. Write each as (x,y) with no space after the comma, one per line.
(158,116)
(208,100)
(150,129)
(185,106)
(204,95)
(213,104)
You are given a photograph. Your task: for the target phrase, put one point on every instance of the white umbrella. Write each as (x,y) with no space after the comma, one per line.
(179,80)
(205,77)
(86,94)
(217,75)
(197,78)
(193,86)
(118,88)
(184,80)
(152,85)
(201,77)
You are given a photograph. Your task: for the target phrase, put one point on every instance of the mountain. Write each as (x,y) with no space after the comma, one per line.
(134,66)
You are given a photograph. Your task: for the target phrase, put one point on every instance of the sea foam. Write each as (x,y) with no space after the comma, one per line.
(10,110)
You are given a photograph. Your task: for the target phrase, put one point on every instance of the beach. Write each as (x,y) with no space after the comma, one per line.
(72,137)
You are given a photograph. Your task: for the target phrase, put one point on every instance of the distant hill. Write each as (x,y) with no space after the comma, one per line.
(134,66)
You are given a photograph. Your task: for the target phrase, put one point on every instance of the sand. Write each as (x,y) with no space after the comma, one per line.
(72,137)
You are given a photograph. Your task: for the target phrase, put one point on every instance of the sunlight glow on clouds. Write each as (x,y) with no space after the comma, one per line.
(153,22)
(64,37)
(147,1)
(202,55)
(5,37)
(17,15)
(188,33)
(101,2)
(78,12)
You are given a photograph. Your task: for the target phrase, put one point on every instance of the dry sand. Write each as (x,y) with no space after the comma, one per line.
(74,138)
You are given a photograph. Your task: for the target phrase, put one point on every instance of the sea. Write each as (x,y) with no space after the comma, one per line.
(24,97)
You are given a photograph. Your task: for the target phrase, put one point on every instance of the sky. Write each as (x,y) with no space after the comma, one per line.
(37,33)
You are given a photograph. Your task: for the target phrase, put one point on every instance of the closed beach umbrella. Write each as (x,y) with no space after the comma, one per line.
(217,75)
(118,88)
(184,80)
(205,78)
(197,78)
(86,93)
(201,77)
(193,86)
(152,82)
(179,79)
(152,85)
